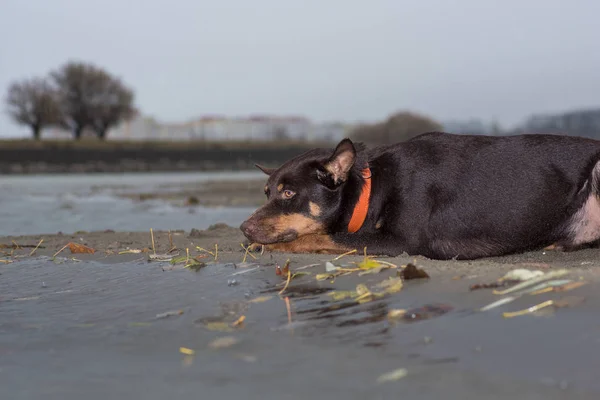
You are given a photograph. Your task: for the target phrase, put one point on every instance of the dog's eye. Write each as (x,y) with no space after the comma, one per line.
(288,194)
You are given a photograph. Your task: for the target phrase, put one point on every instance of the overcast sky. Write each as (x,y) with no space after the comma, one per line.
(327,59)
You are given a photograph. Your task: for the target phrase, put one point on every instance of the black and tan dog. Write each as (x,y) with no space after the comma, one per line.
(438,195)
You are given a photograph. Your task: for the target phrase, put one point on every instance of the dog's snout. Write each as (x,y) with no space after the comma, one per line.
(248,227)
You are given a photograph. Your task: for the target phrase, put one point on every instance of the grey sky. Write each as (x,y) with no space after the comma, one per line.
(326,59)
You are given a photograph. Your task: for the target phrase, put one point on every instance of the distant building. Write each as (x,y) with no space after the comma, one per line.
(222,128)
(577,123)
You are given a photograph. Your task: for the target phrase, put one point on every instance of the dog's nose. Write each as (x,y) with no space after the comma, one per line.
(248,228)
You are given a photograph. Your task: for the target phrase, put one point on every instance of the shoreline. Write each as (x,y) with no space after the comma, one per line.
(110,244)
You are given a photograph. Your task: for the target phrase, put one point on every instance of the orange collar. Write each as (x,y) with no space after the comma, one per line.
(362,206)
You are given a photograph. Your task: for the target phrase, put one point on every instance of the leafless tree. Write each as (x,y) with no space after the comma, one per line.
(33,103)
(90,97)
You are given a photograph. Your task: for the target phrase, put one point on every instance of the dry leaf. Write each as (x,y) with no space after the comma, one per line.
(260,299)
(77,248)
(412,272)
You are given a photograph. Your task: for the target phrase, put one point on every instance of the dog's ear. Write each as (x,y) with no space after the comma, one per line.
(341,161)
(266,170)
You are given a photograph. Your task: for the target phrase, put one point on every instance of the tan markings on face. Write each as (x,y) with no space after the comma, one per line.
(301,224)
(318,243)
(280,187)
(315,210)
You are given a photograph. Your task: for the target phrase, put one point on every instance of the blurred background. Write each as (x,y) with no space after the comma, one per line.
(113,88)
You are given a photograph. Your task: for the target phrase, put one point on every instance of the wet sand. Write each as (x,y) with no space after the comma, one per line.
(247,193)
(88,325)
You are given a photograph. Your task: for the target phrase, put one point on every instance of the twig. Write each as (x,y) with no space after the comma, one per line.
(36,247)
(247,253)
(152,236)
(289,310)
(345,254)
(172,246)
(216,251)
(528,310)
(187,252)
(5,261)
(204,250)
(387,263)
(64,247)
(289,278)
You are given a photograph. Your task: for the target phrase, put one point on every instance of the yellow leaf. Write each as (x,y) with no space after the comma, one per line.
(185,350)
(322,277)
(368,263)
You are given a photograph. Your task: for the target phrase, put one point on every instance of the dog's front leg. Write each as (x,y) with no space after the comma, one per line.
(314,243)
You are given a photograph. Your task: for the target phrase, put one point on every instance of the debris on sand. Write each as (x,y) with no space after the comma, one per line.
(186,351)
(16,246)
(260,299)
(510,278)
(394,375)
(412,272)
(561,303)
(396,313)
(362,294)
(223,342)
(77,248)
(558,286)
(132,251)
(169,314)
(160,257)
(533,281)
(239,322)
(329,267)
(36,247)
(521,275)
(498,303)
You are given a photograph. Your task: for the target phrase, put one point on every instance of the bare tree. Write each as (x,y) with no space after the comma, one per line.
(398,127)
(114,105)
(33,103)
(91,97)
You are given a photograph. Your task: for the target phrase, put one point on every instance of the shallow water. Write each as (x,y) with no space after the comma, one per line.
(33,204)
(89,330)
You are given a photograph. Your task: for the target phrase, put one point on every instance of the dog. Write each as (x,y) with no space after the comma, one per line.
(439,195)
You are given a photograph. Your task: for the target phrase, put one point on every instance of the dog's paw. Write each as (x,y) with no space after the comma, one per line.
(254,247)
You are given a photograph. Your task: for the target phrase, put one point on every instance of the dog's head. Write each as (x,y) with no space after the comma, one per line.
(303,195)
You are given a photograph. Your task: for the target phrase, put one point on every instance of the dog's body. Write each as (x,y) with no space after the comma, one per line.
(438,195)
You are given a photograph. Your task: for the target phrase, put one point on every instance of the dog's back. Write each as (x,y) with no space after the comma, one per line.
(463,195)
